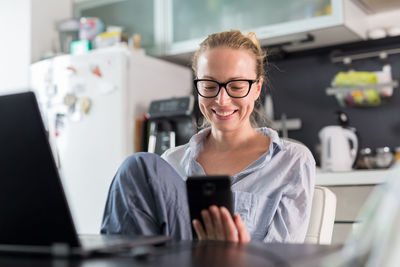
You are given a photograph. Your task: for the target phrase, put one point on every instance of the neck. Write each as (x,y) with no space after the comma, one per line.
(230,140)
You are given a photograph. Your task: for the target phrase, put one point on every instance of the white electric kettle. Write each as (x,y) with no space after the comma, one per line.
(336,152)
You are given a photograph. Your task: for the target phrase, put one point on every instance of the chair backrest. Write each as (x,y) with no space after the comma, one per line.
(322,217)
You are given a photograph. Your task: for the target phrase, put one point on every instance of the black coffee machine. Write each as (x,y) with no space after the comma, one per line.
(171,123)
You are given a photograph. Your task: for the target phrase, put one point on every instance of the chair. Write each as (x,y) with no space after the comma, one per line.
(322,217)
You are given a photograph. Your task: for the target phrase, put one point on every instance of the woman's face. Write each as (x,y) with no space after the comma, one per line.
(223,64)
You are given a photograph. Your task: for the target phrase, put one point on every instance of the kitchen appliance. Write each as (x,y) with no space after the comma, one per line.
(338,148)
(68,31)
(171,123)
(384,157)
(90,103)
(366,159)
(380,158)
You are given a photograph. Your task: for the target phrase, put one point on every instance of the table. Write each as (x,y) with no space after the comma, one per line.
(187,253)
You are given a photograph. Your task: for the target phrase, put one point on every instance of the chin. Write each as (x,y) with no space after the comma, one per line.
(224,127)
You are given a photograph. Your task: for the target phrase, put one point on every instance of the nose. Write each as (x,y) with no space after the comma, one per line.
(223,97)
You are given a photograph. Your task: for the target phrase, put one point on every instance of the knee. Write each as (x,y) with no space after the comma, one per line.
(147,164)
(143,162)
(146,156)
(133,170)
(142,170)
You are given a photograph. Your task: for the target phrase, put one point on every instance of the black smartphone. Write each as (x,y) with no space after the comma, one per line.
(204,191)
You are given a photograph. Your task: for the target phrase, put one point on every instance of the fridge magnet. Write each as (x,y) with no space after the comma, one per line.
(59,124)
(96,71)
(71,70)
(70,99)
(85,104)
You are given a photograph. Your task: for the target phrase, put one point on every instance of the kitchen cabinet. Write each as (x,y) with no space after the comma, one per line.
(275,22)
(352,189)
(350,200)
(135,16)
(176,27)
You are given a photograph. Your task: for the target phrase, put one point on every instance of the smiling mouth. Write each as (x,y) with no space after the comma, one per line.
(224,113)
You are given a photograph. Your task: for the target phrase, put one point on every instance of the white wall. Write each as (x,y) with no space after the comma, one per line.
(28,33)
(45,16)
(15,44)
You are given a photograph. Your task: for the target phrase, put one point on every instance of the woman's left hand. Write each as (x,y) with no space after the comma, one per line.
(219,225)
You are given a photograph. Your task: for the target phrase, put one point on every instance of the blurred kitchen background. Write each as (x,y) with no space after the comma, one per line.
(113,77)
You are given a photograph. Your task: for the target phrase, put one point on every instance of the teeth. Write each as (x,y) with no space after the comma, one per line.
(227,113)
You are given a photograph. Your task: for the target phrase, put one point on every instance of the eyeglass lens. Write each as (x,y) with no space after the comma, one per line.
(234,88)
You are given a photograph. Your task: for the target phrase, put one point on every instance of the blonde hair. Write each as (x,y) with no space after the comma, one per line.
(236,40)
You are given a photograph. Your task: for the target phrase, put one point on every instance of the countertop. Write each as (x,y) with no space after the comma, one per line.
(357,177)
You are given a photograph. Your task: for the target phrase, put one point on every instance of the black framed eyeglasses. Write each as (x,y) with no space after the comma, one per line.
(234,88)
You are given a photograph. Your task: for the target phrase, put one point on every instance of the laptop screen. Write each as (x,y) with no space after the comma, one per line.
(33,207)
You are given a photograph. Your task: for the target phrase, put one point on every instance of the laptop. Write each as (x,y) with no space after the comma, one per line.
(34,213)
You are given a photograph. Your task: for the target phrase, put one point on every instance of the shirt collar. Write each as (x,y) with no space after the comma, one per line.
(276,141)
(197,140)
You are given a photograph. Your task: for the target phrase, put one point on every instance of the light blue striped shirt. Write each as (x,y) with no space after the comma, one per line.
(273,195)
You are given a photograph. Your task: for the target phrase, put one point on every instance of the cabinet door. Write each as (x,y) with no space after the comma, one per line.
(350,200)
(341,232)
(190,21)
(135,16)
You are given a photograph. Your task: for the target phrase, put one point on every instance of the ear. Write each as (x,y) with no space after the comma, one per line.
(258,90)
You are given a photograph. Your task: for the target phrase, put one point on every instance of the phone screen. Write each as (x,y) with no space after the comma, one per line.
(204,191)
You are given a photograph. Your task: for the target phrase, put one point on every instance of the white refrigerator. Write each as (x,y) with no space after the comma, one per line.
(90,103)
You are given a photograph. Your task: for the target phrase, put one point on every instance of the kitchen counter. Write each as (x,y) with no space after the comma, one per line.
(356,177)
(352,189)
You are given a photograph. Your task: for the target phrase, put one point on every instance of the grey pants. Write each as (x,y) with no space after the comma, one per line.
(147,197)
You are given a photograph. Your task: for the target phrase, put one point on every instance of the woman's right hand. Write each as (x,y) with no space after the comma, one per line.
(219,225)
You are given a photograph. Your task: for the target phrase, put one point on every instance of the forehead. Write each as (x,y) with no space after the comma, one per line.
(225,63)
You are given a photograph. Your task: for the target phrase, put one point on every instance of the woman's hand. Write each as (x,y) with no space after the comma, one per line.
(219,225)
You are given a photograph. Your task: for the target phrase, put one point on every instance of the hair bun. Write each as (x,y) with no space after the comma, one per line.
(252,36)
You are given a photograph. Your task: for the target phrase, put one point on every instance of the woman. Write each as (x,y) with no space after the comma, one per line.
(272,179)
